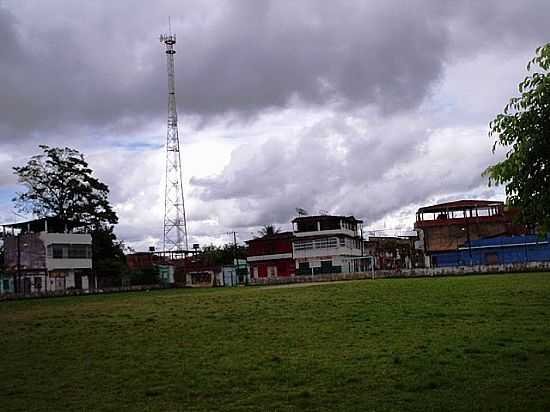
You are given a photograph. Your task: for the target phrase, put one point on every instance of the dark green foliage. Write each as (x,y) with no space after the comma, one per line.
(144,277)
(268,230)
(446,344)
(524,130)
(109,260)
(60,184)
(222,255)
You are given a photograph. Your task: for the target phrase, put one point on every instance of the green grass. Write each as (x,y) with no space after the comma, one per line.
(468,343)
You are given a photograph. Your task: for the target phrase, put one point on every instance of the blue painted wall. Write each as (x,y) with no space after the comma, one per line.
(502,249)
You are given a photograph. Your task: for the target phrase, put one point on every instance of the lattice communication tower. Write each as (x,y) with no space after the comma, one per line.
(175,224)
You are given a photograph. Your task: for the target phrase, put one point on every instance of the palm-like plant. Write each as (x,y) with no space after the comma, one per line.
(268,230)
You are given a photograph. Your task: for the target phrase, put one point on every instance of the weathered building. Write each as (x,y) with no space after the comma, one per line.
(500,250)
(394,252)
(199,271)
(448,226)
(271,256)
(143,260)
(46,255)
(328,244)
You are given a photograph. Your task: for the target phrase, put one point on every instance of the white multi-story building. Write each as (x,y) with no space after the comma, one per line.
(45,256)
(327,244)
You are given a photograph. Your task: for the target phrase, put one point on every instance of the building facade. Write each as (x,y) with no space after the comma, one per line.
(198,271)
(394,252)
(44,256)
(500,250)
(271,256)
(448,226)
(328,244)
(143,260)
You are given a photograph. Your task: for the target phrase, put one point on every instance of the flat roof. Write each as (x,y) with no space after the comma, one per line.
(326,217)
(459,205)
(38,224)
(279,235)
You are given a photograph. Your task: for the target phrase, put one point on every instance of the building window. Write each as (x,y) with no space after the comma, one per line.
(326,265)
(303,269)
(307,226)
(37,283)
(59,251)
(65,251)
(80,251)
(6,284)
(303,245)
(326,243)
(272,271)
(330,224)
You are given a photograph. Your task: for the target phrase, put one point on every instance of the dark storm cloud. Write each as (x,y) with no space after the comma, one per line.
(92,74)
(265,55)
(348,165)
(69,64)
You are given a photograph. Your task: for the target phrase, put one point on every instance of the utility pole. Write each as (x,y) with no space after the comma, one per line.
(175,223)
(469,242)
(18,276)
(235,260)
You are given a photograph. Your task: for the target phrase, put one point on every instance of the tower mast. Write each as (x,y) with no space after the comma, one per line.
(175,224)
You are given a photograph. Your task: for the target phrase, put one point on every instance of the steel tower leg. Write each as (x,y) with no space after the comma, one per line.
(175,222)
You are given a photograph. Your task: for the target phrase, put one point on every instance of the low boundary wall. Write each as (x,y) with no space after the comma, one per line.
(79,292)
(406,273)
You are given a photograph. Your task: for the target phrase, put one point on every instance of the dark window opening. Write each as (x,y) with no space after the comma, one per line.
(57,251)
(38,283)
(330,224)
(307,226)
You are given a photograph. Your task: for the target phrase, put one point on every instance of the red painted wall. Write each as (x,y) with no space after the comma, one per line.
(285,267)
(138,261)
(270,245)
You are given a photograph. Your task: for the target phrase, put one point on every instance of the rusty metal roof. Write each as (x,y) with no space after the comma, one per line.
(459,205)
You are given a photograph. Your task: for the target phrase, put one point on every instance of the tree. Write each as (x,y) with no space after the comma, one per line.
(222,255)
(60,184)
(108,258)
(524,130)
(269,230)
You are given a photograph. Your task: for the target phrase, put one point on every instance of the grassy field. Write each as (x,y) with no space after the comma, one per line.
(469,343)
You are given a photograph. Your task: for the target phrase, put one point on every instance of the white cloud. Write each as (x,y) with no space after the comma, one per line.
(372,111)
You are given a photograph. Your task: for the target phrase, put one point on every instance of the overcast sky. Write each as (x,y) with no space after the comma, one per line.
(370,108)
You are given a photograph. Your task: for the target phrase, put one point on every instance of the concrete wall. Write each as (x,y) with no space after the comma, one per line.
(66,238)
(77,292)
(450,237)
(31,251)
(404,273)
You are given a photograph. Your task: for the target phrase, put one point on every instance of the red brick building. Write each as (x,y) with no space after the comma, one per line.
(271,256)
(142,260)
(447,226)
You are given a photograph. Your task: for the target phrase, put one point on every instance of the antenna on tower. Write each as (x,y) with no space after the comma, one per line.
(175,223)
